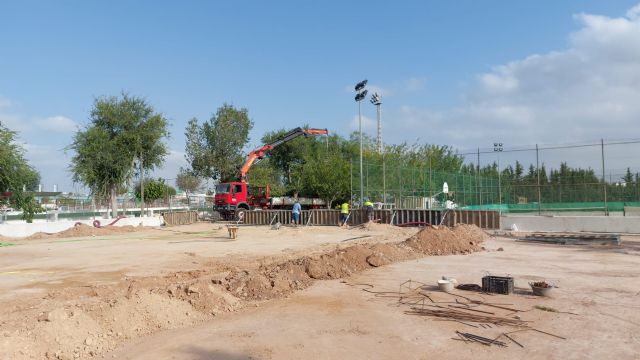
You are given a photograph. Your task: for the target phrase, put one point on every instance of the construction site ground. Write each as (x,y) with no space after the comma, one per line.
(190,292)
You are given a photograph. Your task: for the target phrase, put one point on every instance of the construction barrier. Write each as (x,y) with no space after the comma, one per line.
(485,219)
(180,217)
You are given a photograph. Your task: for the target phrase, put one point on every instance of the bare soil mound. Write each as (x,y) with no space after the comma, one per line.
(80,230)
(462,239)
(273,280)
(87,321)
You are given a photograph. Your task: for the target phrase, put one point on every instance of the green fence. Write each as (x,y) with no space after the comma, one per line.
(423,188)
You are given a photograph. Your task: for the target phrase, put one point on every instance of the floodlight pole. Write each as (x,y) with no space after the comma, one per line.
(497,147)
(361,178)
(361,93)
(379,129)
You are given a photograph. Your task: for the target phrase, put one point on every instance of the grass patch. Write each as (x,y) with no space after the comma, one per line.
(545,308)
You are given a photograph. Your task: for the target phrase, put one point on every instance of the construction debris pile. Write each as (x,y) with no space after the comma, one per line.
(471,311)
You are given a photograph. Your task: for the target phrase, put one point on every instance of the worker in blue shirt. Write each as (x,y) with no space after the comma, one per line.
(295,212)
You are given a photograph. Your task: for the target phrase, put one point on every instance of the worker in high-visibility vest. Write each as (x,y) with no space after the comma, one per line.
(344,213)
(368,205)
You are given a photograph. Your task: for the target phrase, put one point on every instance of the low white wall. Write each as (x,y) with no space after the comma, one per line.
(612,224)
(21,228)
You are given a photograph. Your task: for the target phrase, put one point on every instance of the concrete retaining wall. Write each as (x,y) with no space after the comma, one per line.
(615,224)
(22,229)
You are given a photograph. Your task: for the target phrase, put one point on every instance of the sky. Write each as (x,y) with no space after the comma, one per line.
(459,73)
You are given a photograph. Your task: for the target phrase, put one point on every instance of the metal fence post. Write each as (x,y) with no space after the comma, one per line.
(538,182)
(604,180)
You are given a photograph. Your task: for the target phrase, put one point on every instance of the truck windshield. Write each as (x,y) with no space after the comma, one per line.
(222,188)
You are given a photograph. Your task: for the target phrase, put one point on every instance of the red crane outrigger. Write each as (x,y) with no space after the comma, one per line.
(233,197)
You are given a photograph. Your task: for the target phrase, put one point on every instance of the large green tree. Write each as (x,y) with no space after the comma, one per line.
(121,131)
(214,148)
(17,175)
(326,175)
(15,171)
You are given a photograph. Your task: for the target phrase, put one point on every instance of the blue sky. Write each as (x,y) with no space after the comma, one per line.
(443,67)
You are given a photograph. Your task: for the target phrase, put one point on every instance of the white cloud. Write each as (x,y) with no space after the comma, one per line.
(634,12)
(585,92)
(59,123)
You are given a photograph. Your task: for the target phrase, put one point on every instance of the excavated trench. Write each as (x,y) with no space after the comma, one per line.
(89,321)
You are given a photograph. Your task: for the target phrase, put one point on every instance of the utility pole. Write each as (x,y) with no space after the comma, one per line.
(497,147)
(478,180)
(141,187)
(604,181)
(538,181)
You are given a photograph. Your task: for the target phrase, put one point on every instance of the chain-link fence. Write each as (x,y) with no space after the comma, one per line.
(600,178)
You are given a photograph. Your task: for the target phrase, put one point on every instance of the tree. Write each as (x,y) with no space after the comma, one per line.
(628,177)
(155,189)
(263,174)
(15,175)
(324,176)
(214,149)
(188,182)
(15,172)
(28,205)
(121,130)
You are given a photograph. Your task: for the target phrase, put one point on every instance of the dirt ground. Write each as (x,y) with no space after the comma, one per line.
(191,293)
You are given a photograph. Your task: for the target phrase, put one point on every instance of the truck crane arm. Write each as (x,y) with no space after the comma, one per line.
(261,152)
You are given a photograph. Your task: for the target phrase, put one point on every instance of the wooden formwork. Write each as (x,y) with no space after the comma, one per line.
(485,219)
(180,217)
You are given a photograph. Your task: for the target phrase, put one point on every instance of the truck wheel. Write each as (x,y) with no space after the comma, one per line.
(240,214)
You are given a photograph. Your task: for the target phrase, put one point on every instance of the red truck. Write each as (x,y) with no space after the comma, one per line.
(232,198)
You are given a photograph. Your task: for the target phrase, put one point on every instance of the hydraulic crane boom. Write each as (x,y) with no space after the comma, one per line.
(260,153)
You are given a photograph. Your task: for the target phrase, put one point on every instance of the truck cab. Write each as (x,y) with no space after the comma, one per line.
(231,196)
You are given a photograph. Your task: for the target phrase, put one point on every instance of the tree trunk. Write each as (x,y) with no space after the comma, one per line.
(114,201)
(141,188)
(126,196)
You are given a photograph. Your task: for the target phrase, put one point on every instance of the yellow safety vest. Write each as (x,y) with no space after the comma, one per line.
(344,209)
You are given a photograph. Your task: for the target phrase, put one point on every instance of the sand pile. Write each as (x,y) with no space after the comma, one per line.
(80,230)
(462,239)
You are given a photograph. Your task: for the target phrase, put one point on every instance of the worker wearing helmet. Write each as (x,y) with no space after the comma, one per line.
(344,213)
(368,205)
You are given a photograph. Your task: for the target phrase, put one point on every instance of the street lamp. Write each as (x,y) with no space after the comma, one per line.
(497,148)
(361,93)
(377,101)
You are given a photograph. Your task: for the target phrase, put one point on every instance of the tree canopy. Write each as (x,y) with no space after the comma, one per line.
(15,171)
(155,189)
(214,148)
(188,182)
(121,130)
